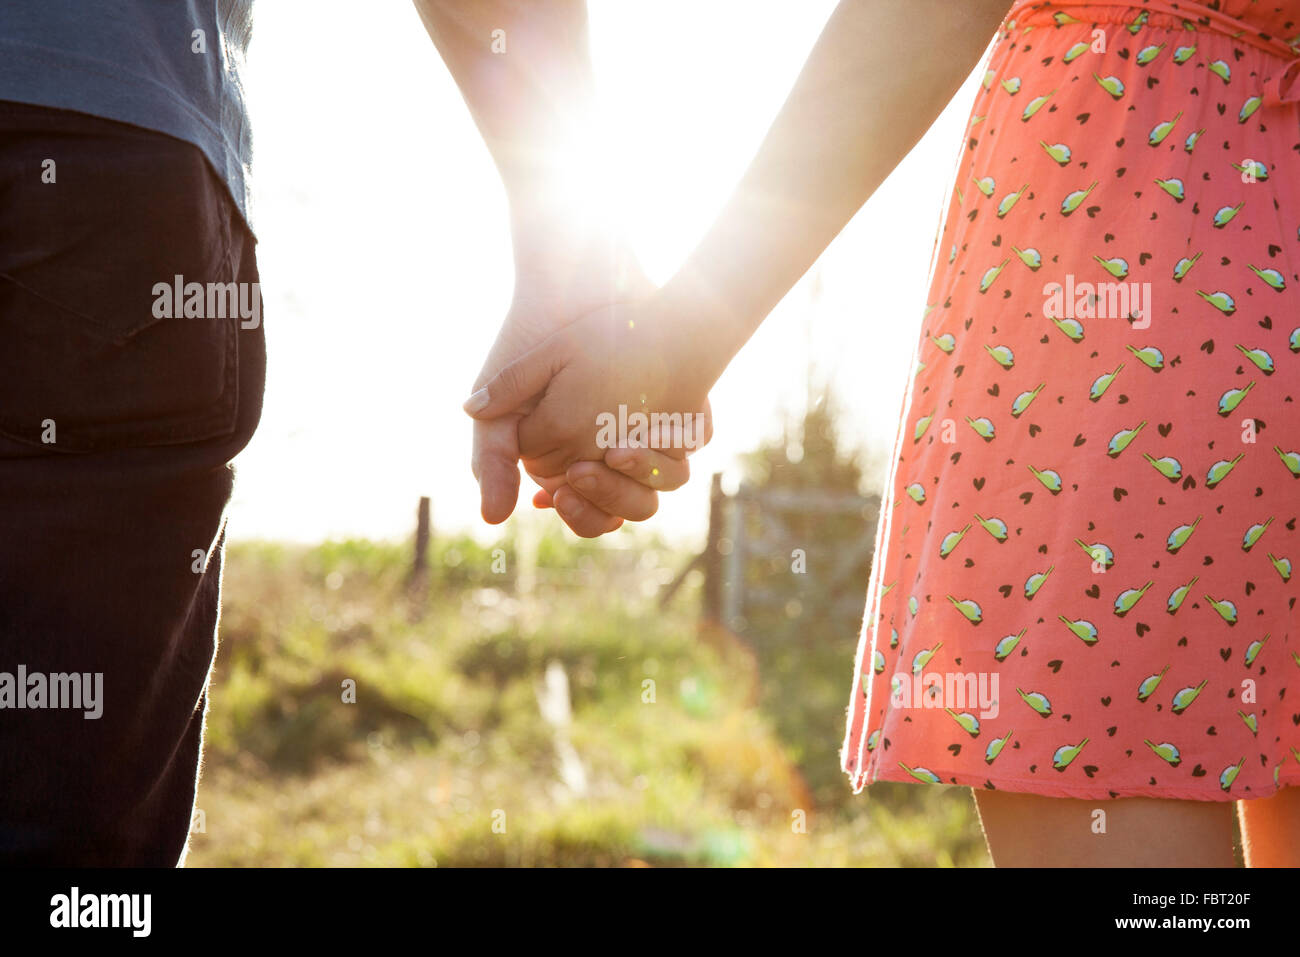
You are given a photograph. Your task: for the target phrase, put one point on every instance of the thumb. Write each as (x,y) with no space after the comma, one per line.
(515,384)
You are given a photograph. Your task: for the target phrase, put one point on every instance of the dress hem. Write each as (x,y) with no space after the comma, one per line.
(1035,786)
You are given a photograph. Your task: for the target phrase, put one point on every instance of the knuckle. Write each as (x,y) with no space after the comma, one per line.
(509,380)
(647,508)
(675,476)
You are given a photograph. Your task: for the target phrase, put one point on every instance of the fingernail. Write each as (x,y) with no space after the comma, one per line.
(476,402)
(587,483)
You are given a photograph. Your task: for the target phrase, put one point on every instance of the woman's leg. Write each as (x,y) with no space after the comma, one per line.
(1270,829)
(1026,830)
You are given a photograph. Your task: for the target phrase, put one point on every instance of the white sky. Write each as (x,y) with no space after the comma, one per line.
(385,255)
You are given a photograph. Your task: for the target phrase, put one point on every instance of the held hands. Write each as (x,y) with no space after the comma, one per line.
(554,283)
(624,485)
(620,385)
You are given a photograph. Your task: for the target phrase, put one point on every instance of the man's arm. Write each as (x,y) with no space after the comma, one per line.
(524,70)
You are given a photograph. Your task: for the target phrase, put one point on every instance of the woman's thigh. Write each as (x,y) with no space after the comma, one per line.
(1027,830)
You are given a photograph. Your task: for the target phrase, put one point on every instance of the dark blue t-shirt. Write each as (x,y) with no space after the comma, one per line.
(166,65)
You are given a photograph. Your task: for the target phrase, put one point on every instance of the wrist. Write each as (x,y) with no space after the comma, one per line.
(565,204)
(709,322)
(559,279)
(566,259)
(558,283)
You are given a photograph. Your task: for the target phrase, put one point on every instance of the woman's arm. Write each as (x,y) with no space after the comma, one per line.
(879,75)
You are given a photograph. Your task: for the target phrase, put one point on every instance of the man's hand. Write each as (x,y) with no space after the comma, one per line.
(525,72)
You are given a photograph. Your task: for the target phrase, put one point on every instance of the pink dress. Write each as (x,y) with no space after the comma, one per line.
(1084,574)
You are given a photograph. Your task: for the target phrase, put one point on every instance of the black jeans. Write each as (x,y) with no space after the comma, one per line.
(117,427)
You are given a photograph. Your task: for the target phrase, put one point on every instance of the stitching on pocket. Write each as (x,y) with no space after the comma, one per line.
(92,324)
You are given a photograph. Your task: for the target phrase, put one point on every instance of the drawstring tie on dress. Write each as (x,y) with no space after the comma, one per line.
(1279,88)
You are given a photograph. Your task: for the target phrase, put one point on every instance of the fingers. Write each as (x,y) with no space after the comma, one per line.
(553,439)
(543,497)
(649,467)
(586,520)
(494,461)
(516,383)
(703,440)
(612,492)
(568,443)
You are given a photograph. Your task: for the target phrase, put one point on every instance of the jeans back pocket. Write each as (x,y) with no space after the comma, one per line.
(100,225)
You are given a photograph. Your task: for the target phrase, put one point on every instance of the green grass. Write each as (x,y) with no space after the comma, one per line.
(444,759)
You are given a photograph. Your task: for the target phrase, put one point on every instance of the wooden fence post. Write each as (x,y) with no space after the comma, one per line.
(422,533)
(713,557)
(733,569)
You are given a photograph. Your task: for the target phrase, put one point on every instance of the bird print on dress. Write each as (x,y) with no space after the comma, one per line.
(1096,485)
